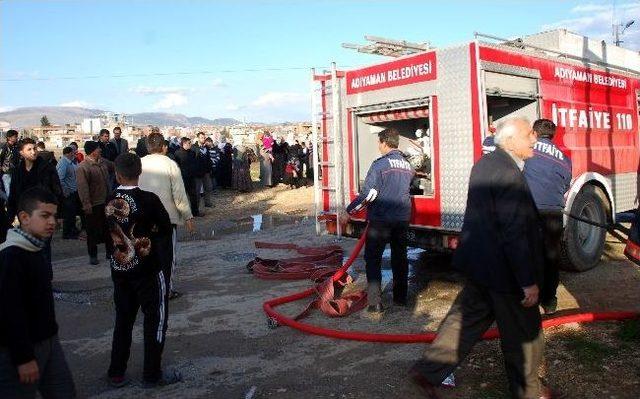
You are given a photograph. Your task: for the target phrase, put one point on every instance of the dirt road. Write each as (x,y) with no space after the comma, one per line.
(218,335)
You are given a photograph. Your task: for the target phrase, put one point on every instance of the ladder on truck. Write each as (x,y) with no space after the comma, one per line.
(327,146)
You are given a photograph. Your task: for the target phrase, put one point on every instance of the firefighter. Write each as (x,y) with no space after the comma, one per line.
(488,144)
(385,195)
(548,175)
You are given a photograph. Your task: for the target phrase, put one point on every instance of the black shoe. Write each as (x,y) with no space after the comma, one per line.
(550,307)
(401,302)
(428,389)
(377,308)
(70,236)
(168,378)
(94,260)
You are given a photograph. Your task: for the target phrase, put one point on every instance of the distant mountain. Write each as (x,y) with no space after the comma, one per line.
(30,116)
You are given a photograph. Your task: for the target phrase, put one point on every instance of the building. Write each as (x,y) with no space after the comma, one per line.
(92,126)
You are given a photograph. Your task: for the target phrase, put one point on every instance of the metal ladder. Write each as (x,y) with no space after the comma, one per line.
(327,132)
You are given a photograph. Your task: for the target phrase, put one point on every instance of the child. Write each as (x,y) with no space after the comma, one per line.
(31,358)
(138,223)
(291,173)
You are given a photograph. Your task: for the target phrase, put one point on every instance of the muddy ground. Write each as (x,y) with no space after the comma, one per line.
(219,339)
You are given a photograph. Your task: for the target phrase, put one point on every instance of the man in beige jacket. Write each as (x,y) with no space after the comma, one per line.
(162,176)
(92,177)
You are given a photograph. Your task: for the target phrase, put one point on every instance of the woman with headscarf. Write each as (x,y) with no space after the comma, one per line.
(266,160)
(225,166)
(242,158)
(279,151)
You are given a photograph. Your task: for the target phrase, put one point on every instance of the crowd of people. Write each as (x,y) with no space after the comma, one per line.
(283,163)
(132,201)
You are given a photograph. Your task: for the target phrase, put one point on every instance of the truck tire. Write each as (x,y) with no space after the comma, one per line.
(583,244)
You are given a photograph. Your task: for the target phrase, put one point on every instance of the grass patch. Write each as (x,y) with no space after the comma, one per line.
(629,331)
(587,352)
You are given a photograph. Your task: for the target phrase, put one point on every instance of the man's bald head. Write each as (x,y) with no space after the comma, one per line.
(515,135)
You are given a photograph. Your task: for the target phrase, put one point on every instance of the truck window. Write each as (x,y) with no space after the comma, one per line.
(415,143)
(509,96)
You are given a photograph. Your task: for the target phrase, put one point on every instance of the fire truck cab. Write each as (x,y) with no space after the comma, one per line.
(443,101)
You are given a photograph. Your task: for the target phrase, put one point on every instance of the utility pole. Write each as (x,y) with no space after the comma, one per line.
(618,32)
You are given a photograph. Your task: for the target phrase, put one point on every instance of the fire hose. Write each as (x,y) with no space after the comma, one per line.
(276,319)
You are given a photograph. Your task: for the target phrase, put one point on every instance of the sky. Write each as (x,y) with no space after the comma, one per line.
(248,60)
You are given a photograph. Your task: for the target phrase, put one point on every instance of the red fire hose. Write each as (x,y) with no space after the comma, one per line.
(276,318)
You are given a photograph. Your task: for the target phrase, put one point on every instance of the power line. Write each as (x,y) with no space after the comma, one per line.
(156,74)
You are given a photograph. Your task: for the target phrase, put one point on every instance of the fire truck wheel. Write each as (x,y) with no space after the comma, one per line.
(582,244)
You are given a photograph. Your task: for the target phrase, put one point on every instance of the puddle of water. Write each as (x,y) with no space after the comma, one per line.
(257,222)
(84,297)
(254,224)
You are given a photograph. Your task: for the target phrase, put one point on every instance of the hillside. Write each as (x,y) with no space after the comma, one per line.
(30,116)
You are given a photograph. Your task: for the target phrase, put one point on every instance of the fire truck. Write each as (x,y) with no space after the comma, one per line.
(444,101)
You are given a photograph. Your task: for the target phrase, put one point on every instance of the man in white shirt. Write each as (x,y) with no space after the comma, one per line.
(162,176)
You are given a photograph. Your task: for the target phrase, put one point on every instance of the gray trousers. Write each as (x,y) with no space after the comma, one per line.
(204,184)
(55,380)
(472,313)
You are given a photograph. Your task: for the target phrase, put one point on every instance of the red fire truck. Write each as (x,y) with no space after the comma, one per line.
(443,101)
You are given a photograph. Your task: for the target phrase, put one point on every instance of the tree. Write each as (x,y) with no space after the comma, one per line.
(44,121)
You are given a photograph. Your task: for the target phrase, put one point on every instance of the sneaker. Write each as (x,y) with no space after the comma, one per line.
(174,295)
(168,378)
(118,382)
(550,307)
(94,260)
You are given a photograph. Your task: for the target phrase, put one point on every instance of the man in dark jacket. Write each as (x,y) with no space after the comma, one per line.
(31,358)
(500,253)
(107,148)
(186,160)
(141,146)
(203,170)
(9,158)
(548,175)
(121,145)
(33,171)
(385,194)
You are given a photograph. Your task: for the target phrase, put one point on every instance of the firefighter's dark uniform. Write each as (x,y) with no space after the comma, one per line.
(548,175)
(385,194)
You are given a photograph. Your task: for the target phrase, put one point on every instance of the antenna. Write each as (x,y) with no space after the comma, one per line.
(388,47)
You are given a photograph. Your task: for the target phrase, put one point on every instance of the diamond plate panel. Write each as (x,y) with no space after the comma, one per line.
(456,132)
(625,190)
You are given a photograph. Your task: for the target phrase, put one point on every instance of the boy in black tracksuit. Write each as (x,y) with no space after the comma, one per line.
(138,223)
(31,358)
